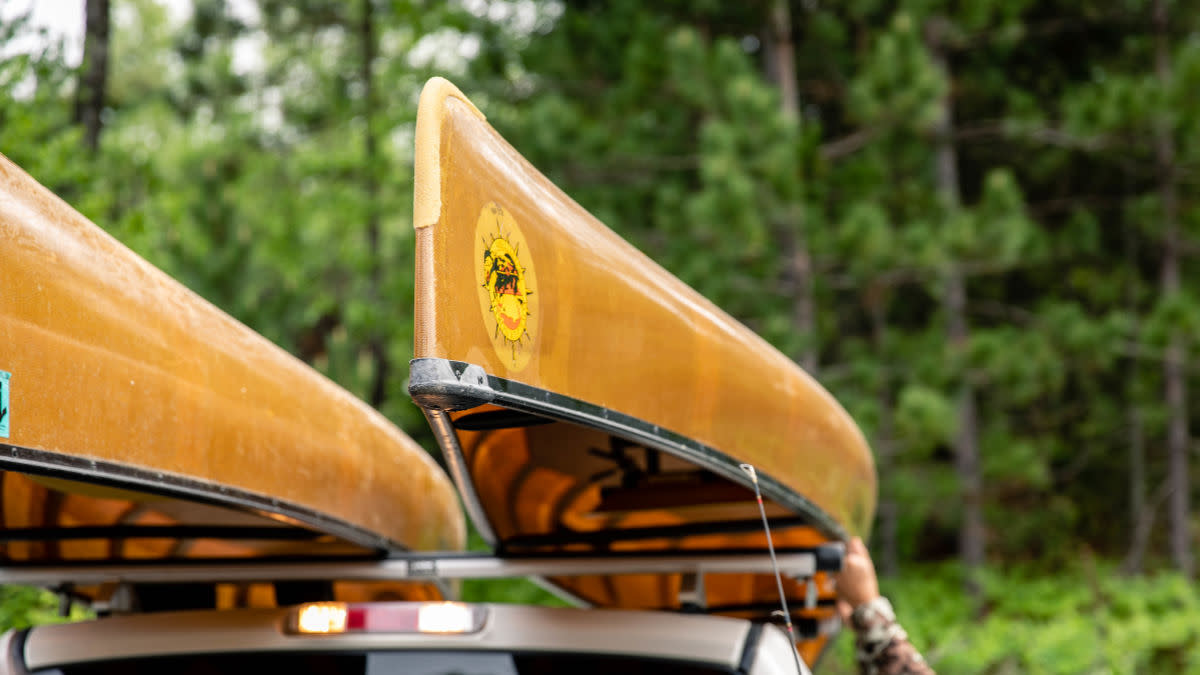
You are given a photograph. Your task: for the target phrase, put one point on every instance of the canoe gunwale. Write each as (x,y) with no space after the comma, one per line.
(439,386)
(122,476)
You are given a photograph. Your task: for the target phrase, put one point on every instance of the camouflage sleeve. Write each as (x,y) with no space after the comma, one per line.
(882,646)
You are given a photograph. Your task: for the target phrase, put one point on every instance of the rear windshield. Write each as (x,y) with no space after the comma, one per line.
(390,663)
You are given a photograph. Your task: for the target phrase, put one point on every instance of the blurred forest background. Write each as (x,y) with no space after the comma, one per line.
(975,222)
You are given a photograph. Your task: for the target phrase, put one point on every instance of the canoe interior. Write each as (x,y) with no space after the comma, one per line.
(549,485)
(554,487)
(49,521)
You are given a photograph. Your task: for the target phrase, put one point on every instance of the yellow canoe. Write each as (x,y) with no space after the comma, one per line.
(590,402)
(142,423)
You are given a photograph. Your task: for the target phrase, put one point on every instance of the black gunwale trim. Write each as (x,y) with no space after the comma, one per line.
(234,532)
(114,474)
(440,385)
(652,553)
(602,537)
(504,418)
(184,563)
(769,607)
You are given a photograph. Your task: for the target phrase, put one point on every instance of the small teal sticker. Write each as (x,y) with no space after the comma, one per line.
(4,377)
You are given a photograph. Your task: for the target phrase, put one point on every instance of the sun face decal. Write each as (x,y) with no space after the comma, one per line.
(507,283)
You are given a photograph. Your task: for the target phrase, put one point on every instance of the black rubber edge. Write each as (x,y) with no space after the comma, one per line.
(750,649)
(15,658)
(829,557)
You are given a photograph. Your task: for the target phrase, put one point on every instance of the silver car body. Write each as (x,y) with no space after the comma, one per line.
(726,643)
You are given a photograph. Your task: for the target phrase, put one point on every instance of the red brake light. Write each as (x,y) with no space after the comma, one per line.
(324,618)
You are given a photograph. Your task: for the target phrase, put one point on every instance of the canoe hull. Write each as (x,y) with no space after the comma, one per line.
(590,403)
(122,378)
(612,327)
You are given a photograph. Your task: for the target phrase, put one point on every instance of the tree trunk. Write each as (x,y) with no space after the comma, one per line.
(966,443)
(1174,365)
(783,57)
(1139,523)
(886,554)
(971,540)
(376,343)
(1139,535)
(781,67)
(93,79)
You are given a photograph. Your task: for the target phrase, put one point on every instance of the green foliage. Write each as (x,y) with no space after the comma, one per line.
(925,418)
(253,183)
(1081,620)
(22,607)
(510,591)
(898,85)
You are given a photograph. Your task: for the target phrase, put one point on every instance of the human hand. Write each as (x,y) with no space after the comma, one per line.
(856,583)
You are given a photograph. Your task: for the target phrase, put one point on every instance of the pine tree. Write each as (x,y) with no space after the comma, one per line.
(90,95)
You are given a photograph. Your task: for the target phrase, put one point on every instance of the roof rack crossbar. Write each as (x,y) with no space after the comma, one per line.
(410,567)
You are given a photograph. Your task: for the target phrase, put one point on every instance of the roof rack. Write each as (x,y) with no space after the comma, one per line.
(426,566)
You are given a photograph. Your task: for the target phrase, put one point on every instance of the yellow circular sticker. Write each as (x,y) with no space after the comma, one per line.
(506,282)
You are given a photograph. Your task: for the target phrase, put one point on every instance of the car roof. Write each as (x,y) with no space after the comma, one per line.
(694,638)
